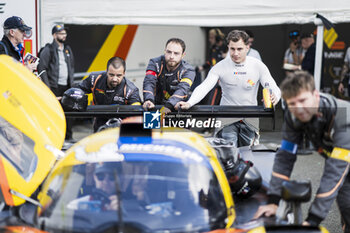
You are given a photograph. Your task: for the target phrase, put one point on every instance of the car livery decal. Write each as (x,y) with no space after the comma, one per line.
(143,149)
(160,149)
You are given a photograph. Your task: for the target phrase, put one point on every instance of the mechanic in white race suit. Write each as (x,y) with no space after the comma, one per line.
(239,76)
(325,120)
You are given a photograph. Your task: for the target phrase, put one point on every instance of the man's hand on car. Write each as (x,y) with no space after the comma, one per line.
(148,105)
(266,210)
(182,105)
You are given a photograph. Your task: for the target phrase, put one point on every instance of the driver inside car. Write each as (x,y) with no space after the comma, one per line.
(103,195)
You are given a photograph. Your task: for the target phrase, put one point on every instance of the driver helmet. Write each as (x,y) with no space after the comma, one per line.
(74,99)
(248,183)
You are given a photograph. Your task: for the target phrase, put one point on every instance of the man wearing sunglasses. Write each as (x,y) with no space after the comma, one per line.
(102,196)
(12,42)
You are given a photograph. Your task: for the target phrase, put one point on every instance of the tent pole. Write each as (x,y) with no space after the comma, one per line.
(318,55)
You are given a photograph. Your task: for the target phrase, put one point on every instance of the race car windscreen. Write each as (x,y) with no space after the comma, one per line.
(18,149)
(144,196)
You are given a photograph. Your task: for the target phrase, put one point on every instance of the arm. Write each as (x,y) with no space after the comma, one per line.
(87,83)
(134,97)
(203,89)
(2,49)
(294,51)
(282,167)
(44,65)
(150,82)
(333,177)
(182,89)
(71,61)
(308,63)
(344,71)
(265,77)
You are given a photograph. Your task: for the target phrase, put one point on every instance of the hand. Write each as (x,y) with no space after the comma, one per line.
(341,87)
(182,105)
(305,223)
(165,110)
(113,205)
(274,99)
(59,98)
(31,66)
(293,46)
(148,105)
(267,210)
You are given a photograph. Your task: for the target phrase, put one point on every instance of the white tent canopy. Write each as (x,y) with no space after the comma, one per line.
(193,12)
(190,12)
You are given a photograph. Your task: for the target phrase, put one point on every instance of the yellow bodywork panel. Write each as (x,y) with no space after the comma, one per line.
(30,118)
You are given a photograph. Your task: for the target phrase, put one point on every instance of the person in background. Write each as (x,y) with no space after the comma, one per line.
(217,52)
(252,52)
(308,62)
(111,87)
(12,42)
(56,66)
(218,48)
(344,72)
(294,54)
(168,77)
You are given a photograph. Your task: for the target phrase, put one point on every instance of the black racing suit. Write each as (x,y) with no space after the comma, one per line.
(328,131)
(215,55)
(163,87)
(126,93)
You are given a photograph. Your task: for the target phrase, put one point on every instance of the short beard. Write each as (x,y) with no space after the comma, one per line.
(172,67)
(61,40)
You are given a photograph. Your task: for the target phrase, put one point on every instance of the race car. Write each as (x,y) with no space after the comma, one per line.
(125,179)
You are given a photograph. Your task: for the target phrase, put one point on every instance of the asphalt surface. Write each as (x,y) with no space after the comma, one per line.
(307,166)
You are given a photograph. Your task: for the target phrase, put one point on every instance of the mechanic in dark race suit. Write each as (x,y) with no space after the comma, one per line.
(325,120)
(168,77)
(111,87)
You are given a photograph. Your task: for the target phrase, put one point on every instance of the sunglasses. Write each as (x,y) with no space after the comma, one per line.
(102,176)
(293,34)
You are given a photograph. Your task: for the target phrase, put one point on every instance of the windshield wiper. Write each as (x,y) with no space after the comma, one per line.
(31,200)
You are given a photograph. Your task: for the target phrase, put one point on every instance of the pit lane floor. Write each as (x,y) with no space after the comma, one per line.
(307,166)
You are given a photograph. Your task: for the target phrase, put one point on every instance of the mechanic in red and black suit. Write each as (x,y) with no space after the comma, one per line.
(111,87)
(168,77)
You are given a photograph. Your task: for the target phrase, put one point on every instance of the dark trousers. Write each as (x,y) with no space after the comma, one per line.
(58,91)
(238,133)
(343,200)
